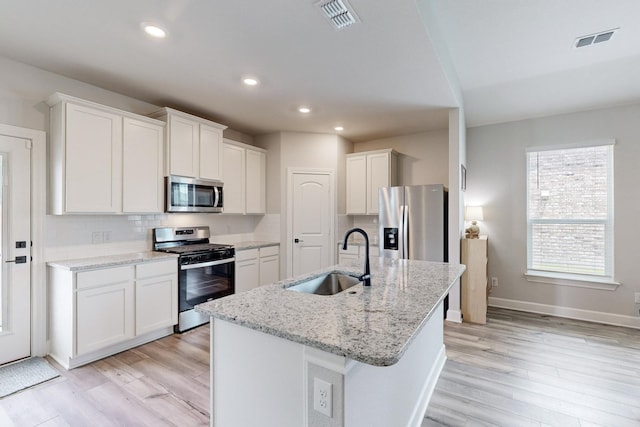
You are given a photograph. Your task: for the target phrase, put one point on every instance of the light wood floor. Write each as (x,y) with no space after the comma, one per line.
(519,369)
(525,369)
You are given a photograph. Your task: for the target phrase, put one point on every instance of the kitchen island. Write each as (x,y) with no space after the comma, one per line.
(363,357)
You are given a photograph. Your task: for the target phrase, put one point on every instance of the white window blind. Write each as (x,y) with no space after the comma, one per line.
(570,210)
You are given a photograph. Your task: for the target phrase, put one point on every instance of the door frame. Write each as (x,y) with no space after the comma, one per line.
(291,171)
(39,309)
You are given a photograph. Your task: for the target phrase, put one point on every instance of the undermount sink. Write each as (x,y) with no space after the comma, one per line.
(327,284)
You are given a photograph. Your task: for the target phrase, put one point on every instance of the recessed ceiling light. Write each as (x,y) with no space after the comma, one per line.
(153,30)
(339,128)
(304,110)
(250,81)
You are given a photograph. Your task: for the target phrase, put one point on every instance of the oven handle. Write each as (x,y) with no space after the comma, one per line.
(207,264)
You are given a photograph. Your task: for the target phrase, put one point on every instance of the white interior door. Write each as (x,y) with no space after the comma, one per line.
(311,214)
(15,297)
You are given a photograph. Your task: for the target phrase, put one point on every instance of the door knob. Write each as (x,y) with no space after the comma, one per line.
(296,240)
(19,260)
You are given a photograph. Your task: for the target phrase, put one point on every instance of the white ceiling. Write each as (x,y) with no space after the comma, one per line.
(380,77)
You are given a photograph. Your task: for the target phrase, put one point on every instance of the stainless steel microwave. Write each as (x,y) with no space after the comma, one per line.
(193,195)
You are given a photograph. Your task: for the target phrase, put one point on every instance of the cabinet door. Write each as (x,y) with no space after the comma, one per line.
(183,146)
(247,275)
(93,160)
(104,316)
(210,152)
(247,270)
(378,172)
(255,185)
(357,185)
(233,175)
(142,162)
(156,303)
(269,265)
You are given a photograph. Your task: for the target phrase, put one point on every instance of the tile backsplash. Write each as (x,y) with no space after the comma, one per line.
(81,236)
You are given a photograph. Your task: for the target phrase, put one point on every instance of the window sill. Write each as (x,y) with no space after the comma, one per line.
(604,283)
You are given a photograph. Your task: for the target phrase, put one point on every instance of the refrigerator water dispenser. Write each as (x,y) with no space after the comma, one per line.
(391,238)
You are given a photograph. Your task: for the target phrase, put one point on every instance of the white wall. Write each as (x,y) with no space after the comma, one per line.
(496,180)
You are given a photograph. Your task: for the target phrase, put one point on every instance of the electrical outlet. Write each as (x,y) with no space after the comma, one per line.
(322,397)
(637,297)
(96,237)
(494,282)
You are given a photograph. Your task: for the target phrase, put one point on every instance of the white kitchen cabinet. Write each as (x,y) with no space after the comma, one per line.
(247,269)
(156,296)
(91,149)
(234,176)
(256,267)
(210,152)
(366,173)
(193,145)
(97,313)
(244,176)
(255,182)
(104,308)
(357,184)
(142,165)
(269,265)
(355,252)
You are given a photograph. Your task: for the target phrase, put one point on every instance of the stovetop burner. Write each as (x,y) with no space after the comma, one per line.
(188,241)
(195,248)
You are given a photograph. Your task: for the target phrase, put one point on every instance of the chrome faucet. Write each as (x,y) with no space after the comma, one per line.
(366,277)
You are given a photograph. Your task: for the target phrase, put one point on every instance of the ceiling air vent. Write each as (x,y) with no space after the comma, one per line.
(595,38)
(339,13)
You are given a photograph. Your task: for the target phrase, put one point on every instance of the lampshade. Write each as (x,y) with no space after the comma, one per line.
(473,213)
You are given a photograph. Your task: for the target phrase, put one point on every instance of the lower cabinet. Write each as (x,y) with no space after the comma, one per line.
(247,269)
(104,308)
(354,252)
(96,313)
(269,265)
(256,267)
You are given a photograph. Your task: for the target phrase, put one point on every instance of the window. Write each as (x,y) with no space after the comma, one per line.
(570,212)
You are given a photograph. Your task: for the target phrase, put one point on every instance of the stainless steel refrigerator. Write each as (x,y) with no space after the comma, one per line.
(413,222)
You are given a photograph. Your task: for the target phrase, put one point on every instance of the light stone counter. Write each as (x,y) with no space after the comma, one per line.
(253,244)
(372,325)
(110,260)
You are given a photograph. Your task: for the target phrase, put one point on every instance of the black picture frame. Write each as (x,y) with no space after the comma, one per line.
(463,178)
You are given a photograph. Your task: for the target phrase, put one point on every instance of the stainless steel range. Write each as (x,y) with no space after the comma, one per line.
(206,270)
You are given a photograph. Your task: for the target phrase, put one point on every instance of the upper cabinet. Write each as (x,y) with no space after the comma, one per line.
(103,160)
(244,177)
(366,173)
(193,145)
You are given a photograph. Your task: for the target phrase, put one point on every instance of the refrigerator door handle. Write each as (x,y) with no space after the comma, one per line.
(405,232)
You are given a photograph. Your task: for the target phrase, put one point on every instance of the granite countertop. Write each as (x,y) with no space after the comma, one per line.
(253,244)
(110,260)
(374,325)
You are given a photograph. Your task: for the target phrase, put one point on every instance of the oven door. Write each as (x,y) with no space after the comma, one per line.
(198,283)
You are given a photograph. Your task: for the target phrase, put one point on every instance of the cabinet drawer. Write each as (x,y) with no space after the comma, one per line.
(155,269)
(351,249)
(269,250)
(246,254)
(105,276)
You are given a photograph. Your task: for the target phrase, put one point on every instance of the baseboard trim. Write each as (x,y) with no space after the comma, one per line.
(568,312)
(454,316)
